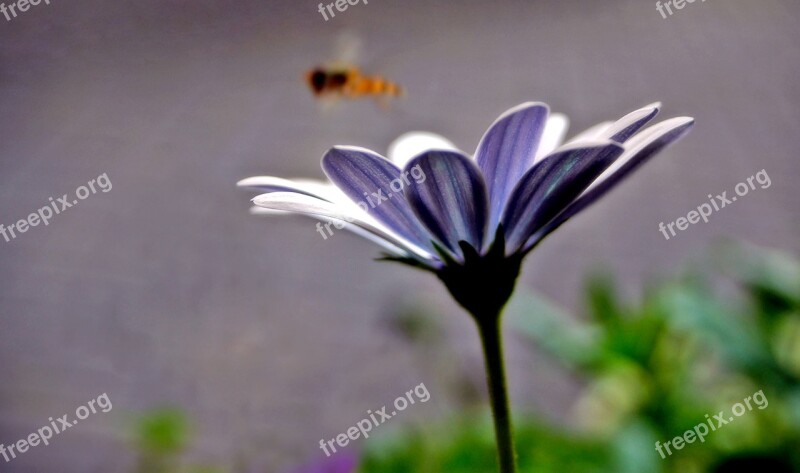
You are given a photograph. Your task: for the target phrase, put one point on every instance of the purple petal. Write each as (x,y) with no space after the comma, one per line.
(628,125)
(507,151)
(550,186)
(377,186)
(452,200)
(638,150)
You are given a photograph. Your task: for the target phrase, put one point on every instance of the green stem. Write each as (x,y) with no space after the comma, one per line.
(492,339)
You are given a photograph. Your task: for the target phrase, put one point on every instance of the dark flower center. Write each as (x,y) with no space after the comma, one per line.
(482,284)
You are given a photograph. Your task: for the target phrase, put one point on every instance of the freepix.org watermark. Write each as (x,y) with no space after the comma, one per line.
(715,204)
(21,6)
(374,419)
(700,431)
(377,198)
(43,435)
(666,7)
(340,5)
(55,207)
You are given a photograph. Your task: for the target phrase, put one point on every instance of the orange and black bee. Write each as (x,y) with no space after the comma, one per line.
(348,82)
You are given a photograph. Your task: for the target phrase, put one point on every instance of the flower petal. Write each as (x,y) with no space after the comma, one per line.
(369,180)
(320,189)
(414,143)
(385,244)
(638,150)
(620,130)
(256,210)
(507,151)
(554,132)
(550,186)
(628,125)
(306,205)
(452,201)
(310,187)
(651,140)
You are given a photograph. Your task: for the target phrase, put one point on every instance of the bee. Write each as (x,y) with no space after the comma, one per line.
(349,82)
(342,79)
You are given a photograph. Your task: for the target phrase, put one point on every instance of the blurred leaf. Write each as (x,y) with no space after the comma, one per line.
(633,449)
(786,343)
(467,446)
(602,302)
(553,329)
(774,276)
(163,432)
(692,310)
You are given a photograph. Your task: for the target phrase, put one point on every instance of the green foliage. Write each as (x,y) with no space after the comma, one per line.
(467,446)
(161,438)
(694,345)
(163,432)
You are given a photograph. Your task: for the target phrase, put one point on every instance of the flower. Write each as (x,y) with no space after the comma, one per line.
(472,220)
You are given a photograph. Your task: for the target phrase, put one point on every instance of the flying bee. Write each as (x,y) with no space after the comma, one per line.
(342,79)
(349,82)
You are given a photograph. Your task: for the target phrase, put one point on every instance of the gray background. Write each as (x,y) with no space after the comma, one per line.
(165,290)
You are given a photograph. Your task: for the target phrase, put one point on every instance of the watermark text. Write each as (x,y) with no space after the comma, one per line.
(55,207)
(374,419)
(44,434)
(701,430)
(715,204)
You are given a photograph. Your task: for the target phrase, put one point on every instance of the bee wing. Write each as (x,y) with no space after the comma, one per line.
(348,48)
(349,53)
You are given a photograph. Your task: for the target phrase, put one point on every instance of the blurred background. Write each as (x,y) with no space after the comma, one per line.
(238,342)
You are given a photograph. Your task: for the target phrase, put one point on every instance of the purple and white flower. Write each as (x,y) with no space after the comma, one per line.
(520,185)
(471,221)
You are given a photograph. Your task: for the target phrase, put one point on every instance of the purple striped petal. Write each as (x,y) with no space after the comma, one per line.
(377,186)
(452,200)
(639,150)
(628,125)
(550,186)
(507,151)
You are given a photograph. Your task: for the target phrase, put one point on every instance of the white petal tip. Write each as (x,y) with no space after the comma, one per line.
(260,181)
(255,210)
(679,121)
(260,200)
(414,143)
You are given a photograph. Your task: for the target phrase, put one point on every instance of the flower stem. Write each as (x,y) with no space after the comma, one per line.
(492,340)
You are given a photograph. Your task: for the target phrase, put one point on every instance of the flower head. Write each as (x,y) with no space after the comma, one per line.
(471,220)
